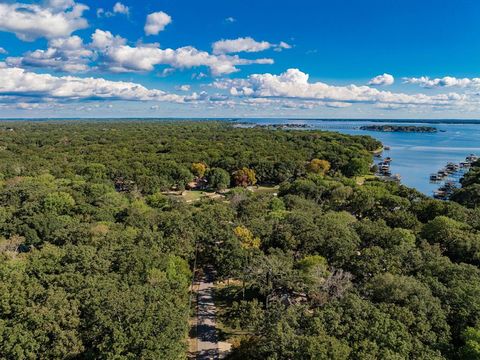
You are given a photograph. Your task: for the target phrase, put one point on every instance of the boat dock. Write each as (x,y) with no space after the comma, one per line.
(449,177)
(383,167)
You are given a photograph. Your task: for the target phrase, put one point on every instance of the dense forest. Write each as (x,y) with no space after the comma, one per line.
(97,256)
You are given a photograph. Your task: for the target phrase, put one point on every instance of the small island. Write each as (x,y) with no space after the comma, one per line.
(399,128)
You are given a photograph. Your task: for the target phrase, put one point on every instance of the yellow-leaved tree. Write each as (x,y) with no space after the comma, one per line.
(199,169)
(247,239)
(249,243)
(318,166)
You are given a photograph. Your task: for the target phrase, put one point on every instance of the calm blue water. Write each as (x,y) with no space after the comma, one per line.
(415,155)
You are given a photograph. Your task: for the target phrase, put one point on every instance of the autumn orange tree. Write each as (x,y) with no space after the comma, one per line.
(244,177)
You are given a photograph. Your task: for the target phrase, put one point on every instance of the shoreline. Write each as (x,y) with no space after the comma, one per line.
(379,150)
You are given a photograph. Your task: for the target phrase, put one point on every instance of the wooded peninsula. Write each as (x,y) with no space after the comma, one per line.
(400,128)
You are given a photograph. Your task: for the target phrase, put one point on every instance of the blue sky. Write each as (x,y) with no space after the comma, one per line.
(343,58)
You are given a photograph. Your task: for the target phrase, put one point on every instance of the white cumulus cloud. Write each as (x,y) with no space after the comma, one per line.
(382,80)
(21,83)
(111,52)
(52,20)
(119,8)
(447,81)
(183,87)
(63,54)
(295,84)
(118,57)
(245,44)
(156,22)
(101,40)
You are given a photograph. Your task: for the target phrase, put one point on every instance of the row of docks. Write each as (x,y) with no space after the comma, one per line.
(445,191)
(383,167)
(451,175)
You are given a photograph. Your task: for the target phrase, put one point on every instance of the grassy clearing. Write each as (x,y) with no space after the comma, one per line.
(195,195)
(192,195)
(189,195)
(265,189)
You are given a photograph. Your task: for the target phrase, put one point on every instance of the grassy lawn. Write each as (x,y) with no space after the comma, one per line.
(193,195)
(187,195)
(265,189)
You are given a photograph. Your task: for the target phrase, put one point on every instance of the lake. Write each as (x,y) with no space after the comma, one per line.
(415,155)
